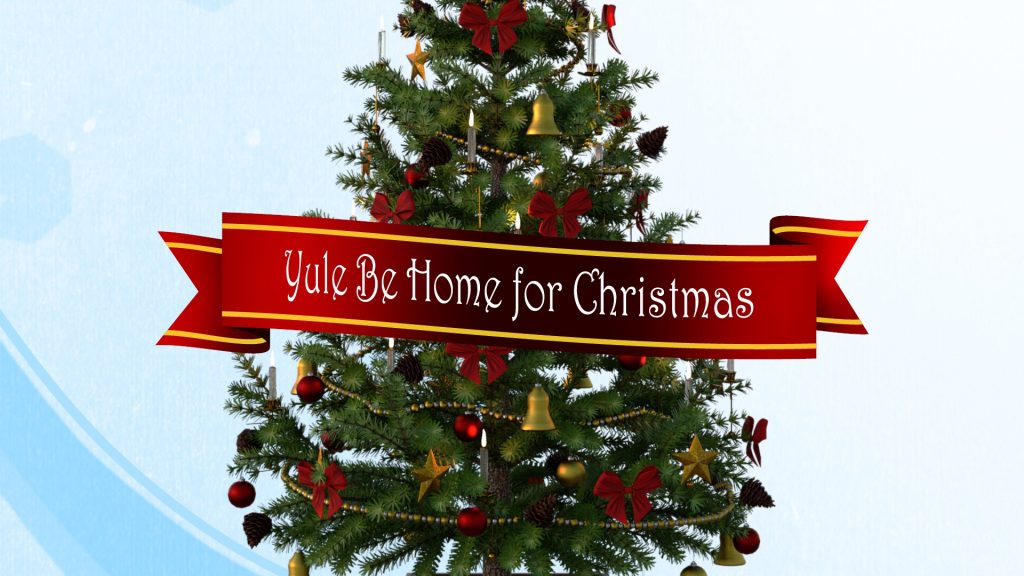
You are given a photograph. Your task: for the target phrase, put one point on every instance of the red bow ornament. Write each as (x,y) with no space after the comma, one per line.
(475,18)
(609,486)
(334,482)
(753,435)
(608,17)
(470,355)
(543,206)
(382,211)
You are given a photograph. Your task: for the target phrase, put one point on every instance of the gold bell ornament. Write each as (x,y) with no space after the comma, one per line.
(538,416)
(543,123)
(727,553)
(693,570)
(305,368)
(297,565)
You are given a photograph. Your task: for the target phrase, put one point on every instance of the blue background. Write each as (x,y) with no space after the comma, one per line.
(894,453)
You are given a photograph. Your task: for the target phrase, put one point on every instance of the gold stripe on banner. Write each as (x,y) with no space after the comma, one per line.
(513,335)
(854,322)
(515,248)
(821,231)
(197,247)
(212,338)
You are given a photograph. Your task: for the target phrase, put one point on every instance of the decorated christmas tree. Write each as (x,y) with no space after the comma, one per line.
(461,458)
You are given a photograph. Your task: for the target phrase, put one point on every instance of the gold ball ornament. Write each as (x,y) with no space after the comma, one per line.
(693,570)
(571,473)
(538,180)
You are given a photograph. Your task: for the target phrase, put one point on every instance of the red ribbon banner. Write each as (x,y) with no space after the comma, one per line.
(512,291)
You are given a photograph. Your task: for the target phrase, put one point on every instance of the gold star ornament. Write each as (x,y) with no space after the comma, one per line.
(429,475)
(695,461)
(418,59)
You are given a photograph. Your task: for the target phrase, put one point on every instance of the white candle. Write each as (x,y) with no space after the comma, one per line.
(382,42)
(471,140)
(484,464)
(391,354)
(730,365)
(272,379)
(519,224)
(592,37)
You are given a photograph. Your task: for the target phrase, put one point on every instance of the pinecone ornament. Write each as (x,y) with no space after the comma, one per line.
(421,7)
(257,526)
(410,368)
(754,494)
(405,26)
(248,441)
(435,153)
(652,143)
(579,8)
(542,512)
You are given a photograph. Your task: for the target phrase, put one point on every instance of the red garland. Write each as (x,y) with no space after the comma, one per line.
(470,355)
(608,17)
(475,18)
(382,212)
(543,206)
(753,435)
(609,486)
(329,489)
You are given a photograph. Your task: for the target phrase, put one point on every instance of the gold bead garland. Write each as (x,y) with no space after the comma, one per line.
(297,488)
(484,411)
(489,150)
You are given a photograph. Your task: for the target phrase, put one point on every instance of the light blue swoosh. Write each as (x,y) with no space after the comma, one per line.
(79,510)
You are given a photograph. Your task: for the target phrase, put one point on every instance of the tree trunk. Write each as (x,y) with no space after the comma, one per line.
(497,490)
(498,167)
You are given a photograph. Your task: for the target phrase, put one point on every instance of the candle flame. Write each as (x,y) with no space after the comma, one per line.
(382,23)
(391,342)
(472,119)
(519,221)
(483,439)
(591,21)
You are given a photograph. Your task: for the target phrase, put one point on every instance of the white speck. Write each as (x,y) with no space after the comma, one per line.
(89,125)
(253,138)
(72,146)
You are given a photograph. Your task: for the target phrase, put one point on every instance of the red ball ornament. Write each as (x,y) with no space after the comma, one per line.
(472,522)
(416,177)
(332,442)
(468,427)
(622,116)
(242,494)
(632,362)
(748,543)
(310,389)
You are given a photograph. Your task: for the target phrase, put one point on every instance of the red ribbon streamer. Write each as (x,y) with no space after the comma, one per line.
(753,435)
(382,212)
(639,204)
(475,18)
(543,206)
(470,355)
(334,482)
(608,17)
(832,240)
(609,486)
